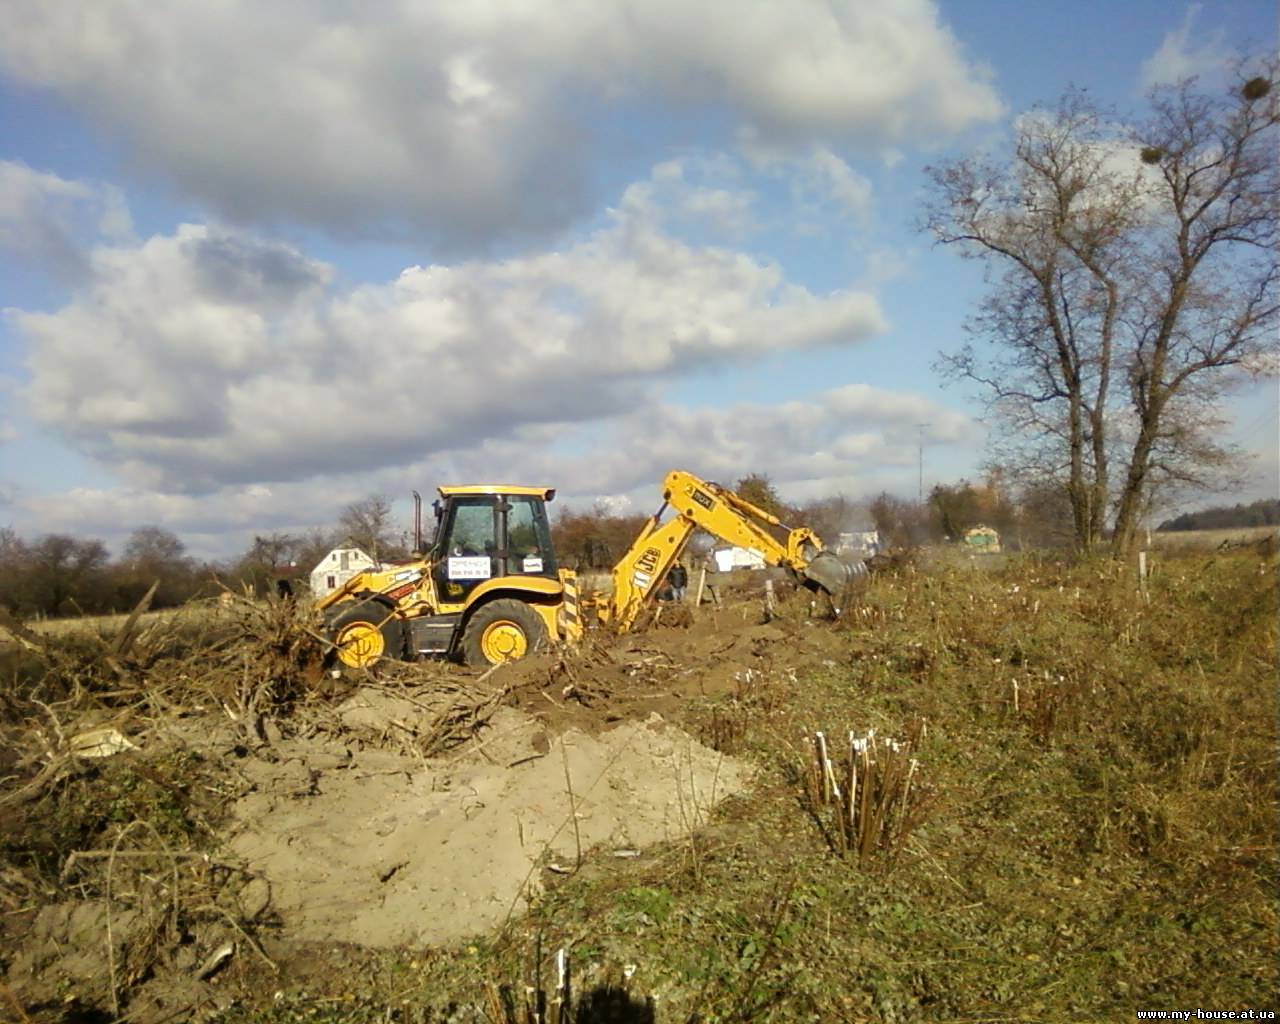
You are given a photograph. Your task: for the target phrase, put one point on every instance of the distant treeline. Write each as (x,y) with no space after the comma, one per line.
(1259,513)
(60,574)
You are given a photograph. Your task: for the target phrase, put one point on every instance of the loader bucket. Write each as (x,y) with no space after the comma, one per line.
(828,572)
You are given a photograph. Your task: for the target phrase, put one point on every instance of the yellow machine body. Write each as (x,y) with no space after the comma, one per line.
(699,504)
(490,589)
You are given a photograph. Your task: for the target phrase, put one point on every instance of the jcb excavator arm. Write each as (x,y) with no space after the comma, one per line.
(725,515)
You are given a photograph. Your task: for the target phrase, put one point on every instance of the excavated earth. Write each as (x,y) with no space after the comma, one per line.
(439,850)
(363,820)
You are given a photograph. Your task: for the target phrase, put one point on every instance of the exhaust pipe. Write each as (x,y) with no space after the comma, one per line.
(417,523)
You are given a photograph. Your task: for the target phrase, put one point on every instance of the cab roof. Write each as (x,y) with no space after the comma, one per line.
(545,493)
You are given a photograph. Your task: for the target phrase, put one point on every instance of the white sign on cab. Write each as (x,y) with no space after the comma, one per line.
(469,567)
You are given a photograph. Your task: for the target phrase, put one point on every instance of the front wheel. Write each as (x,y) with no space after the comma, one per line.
(502,630)
(366,634)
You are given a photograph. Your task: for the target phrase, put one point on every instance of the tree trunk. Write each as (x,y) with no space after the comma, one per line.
(1129,510)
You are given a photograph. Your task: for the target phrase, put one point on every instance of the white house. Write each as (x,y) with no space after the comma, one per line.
(859,543)
(728,559)
(338,566)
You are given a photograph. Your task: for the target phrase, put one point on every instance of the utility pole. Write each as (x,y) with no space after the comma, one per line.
(920,493)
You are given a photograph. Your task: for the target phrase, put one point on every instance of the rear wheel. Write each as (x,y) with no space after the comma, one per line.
(366,634)
(502,630)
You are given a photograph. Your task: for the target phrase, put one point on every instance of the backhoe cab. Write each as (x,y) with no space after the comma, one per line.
(488,590)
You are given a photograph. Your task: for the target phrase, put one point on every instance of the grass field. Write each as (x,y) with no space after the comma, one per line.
(1102,843)
(1097,802)
(1207,540)
(105,625)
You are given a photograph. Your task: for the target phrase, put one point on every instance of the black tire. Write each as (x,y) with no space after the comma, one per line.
(502,625)
(383,634)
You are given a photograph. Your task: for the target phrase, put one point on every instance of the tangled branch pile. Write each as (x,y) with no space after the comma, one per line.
(106,878)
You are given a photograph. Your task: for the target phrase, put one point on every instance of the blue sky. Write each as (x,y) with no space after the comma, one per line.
(258,261)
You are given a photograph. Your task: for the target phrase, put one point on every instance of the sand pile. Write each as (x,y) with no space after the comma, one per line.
(382,850)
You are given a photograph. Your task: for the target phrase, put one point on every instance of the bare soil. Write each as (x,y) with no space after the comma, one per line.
(406,807)
(381,850)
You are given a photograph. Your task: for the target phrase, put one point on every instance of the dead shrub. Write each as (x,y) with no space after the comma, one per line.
(867,797)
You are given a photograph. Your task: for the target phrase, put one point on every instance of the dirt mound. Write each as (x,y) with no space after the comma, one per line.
(386,851)
(248,801)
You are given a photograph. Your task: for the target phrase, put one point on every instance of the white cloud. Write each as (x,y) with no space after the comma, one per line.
(854,440)
(209,358)
(615,504)
(843,438)
(825,191)
(24,190)
(43,218)
(848,437)
(466,124)
(215,526)
(1183,53)
(701,193)
(850,191)
(890,264)
(717,194)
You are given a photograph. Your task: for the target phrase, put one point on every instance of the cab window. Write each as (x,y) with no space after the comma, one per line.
(470,549)
(528,538)
(472,533)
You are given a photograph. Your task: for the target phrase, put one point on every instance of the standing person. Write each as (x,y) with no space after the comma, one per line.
(678,577)
(712,569)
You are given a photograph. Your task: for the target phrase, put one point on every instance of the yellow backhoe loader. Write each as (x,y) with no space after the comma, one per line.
(489,589)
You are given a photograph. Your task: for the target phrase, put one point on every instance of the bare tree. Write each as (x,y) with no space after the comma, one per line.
(758,489)
(274,550)
(368,524)
(154,548)
(902,524)
(1206,301)
(13,564)
(831,516)
(66,573)
(1134,268)
(153,554)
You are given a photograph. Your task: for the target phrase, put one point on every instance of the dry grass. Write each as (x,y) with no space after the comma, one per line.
(1209,540)
(1100,834)
(861,793)
(121,842)
(192,613)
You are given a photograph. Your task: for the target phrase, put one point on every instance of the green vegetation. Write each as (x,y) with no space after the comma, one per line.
(1098,777)
(1222,517)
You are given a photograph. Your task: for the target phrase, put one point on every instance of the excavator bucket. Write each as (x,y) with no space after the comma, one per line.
(828,572)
